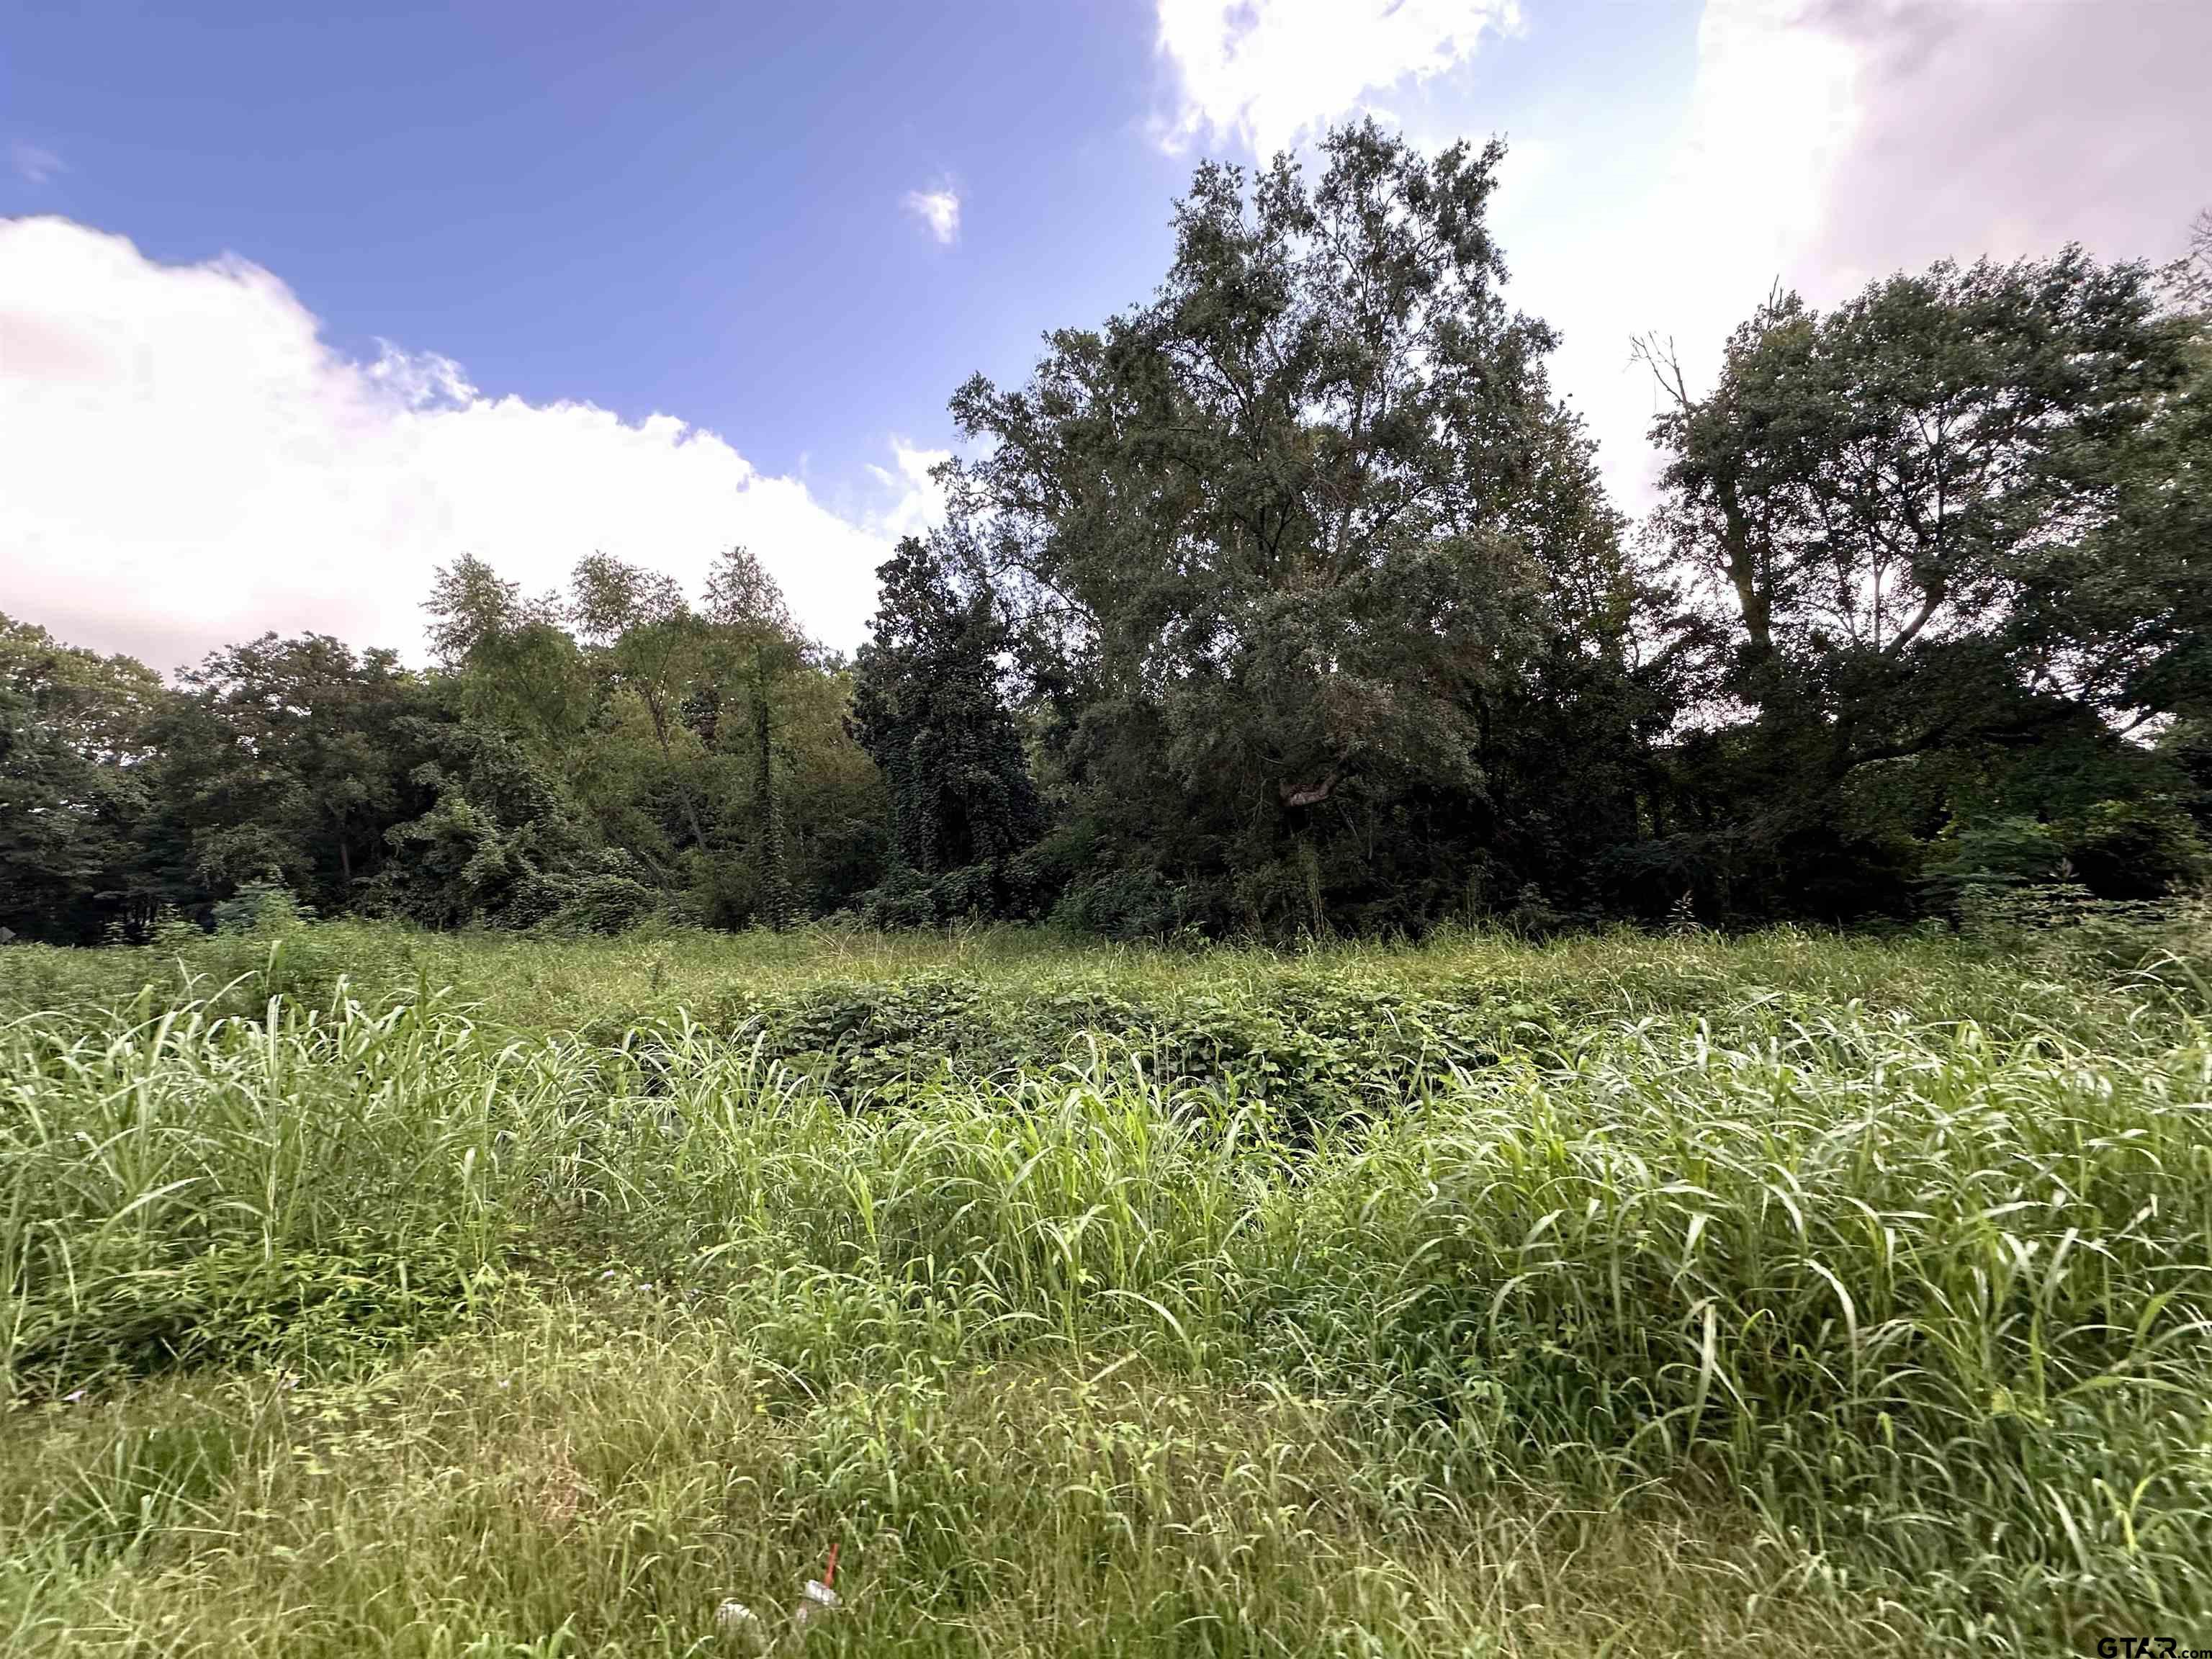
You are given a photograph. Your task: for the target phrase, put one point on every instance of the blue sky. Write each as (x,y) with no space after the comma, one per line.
(328,295)
(690,208)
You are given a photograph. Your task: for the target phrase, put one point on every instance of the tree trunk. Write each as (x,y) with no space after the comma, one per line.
(775,892)
(1752,600)
(660,716)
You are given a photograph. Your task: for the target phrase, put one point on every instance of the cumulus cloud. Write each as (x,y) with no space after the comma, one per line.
(1827,142)
(32,165)
(1265,73)
(939,209)
(185,462)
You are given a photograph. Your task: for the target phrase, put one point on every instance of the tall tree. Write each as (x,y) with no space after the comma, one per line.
(1889,503)
(929,704)
(1268,538)
(74,745)
(2126,606)
(512,658)
(1576,780)
(283,760)
(654,648)
(758,645)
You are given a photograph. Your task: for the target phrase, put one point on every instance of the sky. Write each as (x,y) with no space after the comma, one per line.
(298,303)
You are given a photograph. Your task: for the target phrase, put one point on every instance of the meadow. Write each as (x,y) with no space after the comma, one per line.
(367,1290)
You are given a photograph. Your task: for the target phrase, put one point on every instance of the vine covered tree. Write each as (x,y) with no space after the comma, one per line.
(929,705)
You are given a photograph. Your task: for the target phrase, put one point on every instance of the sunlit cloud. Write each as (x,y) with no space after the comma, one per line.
(939,209)
(1265,73)
(187,462)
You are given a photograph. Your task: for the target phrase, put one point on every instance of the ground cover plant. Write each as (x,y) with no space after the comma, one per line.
(368,1290)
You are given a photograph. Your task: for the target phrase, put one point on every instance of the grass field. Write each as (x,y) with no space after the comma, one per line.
(367,1291)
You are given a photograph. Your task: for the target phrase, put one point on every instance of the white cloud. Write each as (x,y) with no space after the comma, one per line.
(186,463)
(939,209)
(1683,231)
(34,165)
(1265,72)
(1827,142)
(919,501)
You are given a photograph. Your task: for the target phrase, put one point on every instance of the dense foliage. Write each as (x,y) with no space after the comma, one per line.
(1287,603)
(1920,514)
(574,763)
(929,706)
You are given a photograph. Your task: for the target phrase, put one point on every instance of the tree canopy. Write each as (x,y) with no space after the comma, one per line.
(1289,599)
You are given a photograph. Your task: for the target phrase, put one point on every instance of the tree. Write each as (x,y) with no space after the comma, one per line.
(283,760)
(652,647)
(73,752)
(2126,606)
(929,706)
(1267,540)
(499,839)
(1575,784)
(1889,505)
(2188,279)
(513,659)
(757,645)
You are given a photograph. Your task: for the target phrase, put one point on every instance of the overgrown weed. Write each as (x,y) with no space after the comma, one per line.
(1683,1295)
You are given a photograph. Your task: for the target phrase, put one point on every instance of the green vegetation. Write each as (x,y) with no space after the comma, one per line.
(379,1291)
(458,1212)
(1287,603)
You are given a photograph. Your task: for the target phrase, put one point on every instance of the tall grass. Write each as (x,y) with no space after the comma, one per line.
(1671,1296)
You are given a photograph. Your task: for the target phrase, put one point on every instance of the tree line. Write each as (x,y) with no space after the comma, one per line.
(1290,600)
